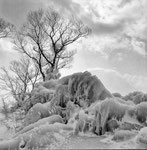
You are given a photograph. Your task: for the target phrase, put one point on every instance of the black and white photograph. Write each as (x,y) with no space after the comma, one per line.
(73,74)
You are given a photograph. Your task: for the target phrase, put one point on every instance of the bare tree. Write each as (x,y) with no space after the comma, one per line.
(45,37)
(4,109)
(20,79)
(5,28)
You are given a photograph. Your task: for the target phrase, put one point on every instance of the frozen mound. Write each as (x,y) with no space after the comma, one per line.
(137,97)
(38,95)
(86,87)
(111,125)
(78,87)
(128,116)
(121,135)
(130,126)
(108,109)
(80,120)
(71,110)
(141,112)
(81,86)
(83,122)
(127,123)
(62,95)
(38,137)
(48,120)
(43,92)
(38,111)
(142,136)
(127,139)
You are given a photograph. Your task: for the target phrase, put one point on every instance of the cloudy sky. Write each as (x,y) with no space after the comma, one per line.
(116,49)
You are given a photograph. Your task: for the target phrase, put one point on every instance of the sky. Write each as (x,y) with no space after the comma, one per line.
(115,51)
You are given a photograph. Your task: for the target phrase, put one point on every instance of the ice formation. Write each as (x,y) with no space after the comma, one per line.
(75,105)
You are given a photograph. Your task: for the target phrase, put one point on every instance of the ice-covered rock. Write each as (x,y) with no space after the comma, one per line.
(81,88)
(71,110)
(38,111)
(81,85)
(130,126)
(121,135)
(84,122)
(62,94)
(112,125)
(137,97)
(47,120)
(141,112)
(108,109)
(142,136)
(36,138)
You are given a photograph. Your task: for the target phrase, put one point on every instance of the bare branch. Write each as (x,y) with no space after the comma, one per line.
(20,79)
(45,36)
(6,29)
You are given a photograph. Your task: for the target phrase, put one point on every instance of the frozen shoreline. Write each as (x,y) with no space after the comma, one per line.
(85,142)
(81,141)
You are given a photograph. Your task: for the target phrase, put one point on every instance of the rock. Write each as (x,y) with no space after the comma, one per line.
(83,122)
(35,138)
(142,136)
(130,126)
(38,111)
(48,120)
(79,87)
(83,85)
(112,125)
(121,135)
(137,97)
(62,94)
(108,109)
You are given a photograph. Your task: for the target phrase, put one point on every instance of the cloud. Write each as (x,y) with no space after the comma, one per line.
(120,20)
(6,53)
(140,82)
(87,16)
(69,5)
(99,28)
(122,83)
(15,11)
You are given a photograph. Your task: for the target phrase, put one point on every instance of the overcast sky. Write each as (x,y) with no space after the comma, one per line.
(116,50)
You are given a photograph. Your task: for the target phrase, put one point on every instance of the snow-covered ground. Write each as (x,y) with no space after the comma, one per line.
(66,140)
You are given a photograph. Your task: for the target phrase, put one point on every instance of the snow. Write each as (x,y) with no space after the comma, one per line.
(142,138)
(57,135)
(67,140)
